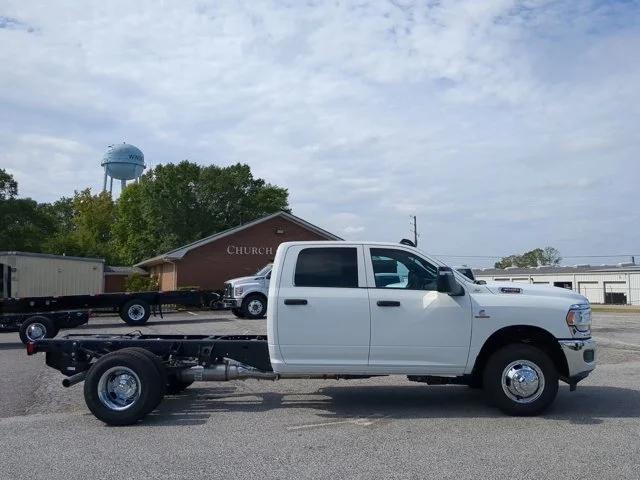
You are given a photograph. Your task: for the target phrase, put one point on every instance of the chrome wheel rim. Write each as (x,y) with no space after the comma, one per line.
(119,388)
(136,312)
(523,381)
(36,331)
(255,307)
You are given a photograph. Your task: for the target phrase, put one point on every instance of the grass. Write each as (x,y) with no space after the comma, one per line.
(616,308)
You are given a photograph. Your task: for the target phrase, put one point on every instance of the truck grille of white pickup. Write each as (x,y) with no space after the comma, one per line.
(228,290)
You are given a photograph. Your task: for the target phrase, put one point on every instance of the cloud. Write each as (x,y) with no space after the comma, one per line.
(501,124)
(12,23)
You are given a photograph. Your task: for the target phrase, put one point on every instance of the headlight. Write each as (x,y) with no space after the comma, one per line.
(239,291)
(579,317)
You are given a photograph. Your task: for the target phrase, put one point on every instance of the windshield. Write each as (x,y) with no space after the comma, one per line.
(467,272)
(264,270)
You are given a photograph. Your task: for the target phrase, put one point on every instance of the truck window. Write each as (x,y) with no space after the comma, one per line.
(411,271)
(327,267)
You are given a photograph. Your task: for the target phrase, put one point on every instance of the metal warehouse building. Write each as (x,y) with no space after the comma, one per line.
(37,274)
(608,284)
(237,252)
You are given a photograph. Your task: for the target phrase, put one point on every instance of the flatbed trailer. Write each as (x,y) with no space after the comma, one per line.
(134,308)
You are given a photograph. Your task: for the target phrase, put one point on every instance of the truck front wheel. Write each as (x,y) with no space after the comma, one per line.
(254,306)
(520,380)
(37,327)
(135,312)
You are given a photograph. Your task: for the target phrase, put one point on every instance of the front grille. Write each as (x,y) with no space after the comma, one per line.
(228,290)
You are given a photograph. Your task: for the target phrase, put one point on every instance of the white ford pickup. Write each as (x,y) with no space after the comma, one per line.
(354,310)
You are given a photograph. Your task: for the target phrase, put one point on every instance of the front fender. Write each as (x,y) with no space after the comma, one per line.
(249,289)
(496,312)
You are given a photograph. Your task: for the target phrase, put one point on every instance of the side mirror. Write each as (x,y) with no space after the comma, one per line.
(447,282)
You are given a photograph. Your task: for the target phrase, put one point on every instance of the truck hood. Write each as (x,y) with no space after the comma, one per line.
(511,288)
(244,280)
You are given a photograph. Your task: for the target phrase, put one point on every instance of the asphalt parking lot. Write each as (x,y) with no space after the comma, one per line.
(378,428)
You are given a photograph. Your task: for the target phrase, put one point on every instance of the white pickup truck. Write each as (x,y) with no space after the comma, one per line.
(247,296)
(354,310)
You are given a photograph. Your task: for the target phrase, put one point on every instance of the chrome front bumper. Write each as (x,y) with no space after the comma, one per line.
(581,358)
(231,302)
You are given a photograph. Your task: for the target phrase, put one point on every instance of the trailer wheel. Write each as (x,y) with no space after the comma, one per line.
(520,380)
(135,312)
(162,371)
(121,387)
(37,327)
(254,306)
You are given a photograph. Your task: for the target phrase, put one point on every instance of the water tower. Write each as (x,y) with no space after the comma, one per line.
(122,162)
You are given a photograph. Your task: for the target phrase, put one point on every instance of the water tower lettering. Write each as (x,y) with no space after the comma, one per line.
(242,250)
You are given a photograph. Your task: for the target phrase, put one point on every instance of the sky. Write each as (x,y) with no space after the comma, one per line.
(502,125)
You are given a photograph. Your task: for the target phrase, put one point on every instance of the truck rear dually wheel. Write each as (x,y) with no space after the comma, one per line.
(162,371)
(520,380)
(122,387)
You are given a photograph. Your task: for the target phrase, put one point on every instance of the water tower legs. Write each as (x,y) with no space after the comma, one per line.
(111,185)
(123,183)
(104,185)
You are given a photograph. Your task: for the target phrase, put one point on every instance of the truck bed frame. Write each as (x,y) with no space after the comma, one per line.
(73,354)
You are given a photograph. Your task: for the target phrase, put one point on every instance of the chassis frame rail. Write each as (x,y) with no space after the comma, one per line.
(73,354)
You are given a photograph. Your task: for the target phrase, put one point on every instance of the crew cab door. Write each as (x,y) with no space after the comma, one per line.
(323,307)
(412,324)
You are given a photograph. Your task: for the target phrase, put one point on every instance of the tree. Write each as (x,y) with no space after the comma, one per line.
(532,258)
(175,204)
(172,205)
(8,186)
(551,256)
(87,231)
(24,225)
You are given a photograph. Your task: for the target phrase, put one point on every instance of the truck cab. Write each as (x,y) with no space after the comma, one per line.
(247,296)
(381,309)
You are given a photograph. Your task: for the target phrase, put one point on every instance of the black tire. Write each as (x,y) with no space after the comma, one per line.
(249,309)
(104,404)
(176,386)
(162,371)
(135,312)
(475,382)
(237,312)
(524,359)
(37,327)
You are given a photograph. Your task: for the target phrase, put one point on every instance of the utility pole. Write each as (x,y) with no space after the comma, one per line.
(415,230)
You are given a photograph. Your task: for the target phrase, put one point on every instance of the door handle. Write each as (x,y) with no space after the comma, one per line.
(388,303)
(295,301)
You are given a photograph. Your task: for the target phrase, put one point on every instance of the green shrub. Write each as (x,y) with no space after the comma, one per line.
(141,283)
